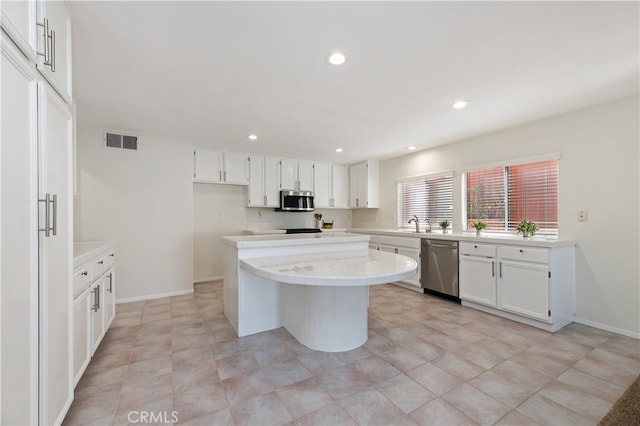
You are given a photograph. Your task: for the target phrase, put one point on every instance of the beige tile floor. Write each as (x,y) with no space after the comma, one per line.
(427,362)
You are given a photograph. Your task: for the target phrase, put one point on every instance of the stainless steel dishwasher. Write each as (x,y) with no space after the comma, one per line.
(440,267)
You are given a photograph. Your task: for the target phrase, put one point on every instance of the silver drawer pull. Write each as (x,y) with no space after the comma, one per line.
(85,273)
(101,262)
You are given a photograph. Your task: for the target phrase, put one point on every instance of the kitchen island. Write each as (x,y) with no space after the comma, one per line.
(314,285)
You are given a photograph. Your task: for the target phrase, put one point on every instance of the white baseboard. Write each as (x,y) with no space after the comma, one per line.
(605,327)
(206,279)
(154,296)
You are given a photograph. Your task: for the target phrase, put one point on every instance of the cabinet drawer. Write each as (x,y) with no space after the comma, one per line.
(408,242)
(98,267)
(526,254)
(81,279)
(484,250)
(109,259)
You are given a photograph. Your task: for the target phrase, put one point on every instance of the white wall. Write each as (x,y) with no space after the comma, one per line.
(142,200)
(598,173)
(210,201)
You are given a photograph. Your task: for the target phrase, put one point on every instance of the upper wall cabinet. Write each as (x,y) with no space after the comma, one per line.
(18,20)
(264,185)
(220,167)
(296,174)
(331,186)
(54,46)
(364,185)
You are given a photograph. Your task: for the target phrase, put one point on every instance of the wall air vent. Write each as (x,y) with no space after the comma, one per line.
(116,140)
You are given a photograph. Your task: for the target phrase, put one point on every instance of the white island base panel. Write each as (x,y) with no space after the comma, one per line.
(328,319)
(316,288)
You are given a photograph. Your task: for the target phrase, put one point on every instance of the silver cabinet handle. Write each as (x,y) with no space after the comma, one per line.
(47,215)
(85,273)
(48,202)
(225,175)
(96,305)
(220,175)
(111,283)
(98,295)
(53,51)
(112,255)
(500,269)
(264,199)
(46,37)
(395,250)
(101,262)
(54,228)
(493,268)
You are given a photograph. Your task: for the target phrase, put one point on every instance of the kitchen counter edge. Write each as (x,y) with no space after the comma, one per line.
(283,240)
(471,237)
(84,251)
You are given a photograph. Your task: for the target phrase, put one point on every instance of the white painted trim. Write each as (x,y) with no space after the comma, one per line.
(514,162)
(605,327)
(443,173)
(207,279)
(154,296)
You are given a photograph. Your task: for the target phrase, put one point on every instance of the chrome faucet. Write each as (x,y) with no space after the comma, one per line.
(428,230)
(416,221)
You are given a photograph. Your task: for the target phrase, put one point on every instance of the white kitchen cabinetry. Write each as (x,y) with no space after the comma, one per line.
(81,333)
(532,285)
(94,286)
(54,42)
(477,266)
(296,174)
(36,275)
(264,185)
(19,21)
(331,186)
(220,167)
(364,185)
(406,246)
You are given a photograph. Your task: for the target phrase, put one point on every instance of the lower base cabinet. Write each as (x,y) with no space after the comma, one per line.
(532,285)
(94,304)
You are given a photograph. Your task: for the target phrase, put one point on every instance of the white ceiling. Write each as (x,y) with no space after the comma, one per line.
(214,72)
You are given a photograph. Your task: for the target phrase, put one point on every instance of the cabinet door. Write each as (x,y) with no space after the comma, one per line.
(478,280)
(271,181)
(256,188)
(56,298)
(524,289)
(322,185)
(97,314)
(60,29)
(305,175)
(81,334)
(340,186)
(235,168)
(109,298)
(415,255)
(356,180)
(18,245)
(288,174)
(19,21)
(208,165)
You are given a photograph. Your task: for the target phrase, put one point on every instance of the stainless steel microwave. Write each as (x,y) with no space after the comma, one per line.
(296,201)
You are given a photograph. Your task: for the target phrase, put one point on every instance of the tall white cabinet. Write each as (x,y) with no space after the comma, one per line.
(35,219)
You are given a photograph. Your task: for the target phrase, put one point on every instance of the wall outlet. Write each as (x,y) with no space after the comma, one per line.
(582,216)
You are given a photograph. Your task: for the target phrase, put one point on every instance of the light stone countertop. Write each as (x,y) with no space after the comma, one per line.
(343,269)
(490,238)
(84,251)
(285,240)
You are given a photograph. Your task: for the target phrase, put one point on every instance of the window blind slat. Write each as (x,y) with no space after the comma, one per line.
(425,197)
(503,196)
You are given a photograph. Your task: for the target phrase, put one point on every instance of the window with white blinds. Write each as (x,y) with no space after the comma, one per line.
(503,196)
(426,197)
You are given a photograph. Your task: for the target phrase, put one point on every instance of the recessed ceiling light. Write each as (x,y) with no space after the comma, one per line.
(252,137)
(338,149)
(337,58)
(411,148)
(459,104)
